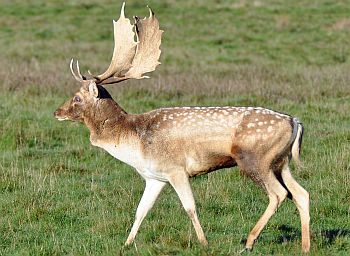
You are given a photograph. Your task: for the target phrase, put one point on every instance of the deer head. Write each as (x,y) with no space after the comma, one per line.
(131,59)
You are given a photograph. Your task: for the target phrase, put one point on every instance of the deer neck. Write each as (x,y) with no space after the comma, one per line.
(107,122)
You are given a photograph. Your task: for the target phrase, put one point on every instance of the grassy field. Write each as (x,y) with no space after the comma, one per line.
(61,196)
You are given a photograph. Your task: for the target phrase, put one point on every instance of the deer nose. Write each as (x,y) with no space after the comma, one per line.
(56,113)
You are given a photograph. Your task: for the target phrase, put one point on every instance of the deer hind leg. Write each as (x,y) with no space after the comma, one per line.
(301,199)
(277,193)
(181,184)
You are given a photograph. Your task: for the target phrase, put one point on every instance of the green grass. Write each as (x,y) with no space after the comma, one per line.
(59,195)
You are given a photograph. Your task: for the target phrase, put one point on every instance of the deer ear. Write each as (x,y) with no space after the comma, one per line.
(93,90)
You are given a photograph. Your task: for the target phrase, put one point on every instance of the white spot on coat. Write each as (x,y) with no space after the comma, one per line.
(251,125)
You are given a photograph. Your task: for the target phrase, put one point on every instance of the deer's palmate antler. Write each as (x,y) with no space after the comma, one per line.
(131,59)
(170,145)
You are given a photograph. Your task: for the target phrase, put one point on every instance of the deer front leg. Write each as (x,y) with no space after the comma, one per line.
(181,184)
(152,190)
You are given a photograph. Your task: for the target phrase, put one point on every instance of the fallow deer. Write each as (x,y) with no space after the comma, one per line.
(171,145)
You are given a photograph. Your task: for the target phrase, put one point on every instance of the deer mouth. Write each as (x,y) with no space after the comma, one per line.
(62,118)
(58,115)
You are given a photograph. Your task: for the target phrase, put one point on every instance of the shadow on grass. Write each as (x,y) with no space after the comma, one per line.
(288,234)
(331,234)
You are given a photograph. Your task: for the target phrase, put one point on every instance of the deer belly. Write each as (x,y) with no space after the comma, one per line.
(201,165)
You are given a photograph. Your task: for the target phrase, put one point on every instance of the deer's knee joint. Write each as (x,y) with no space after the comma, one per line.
(191,213)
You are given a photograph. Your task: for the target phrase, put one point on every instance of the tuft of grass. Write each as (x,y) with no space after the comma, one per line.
(59,195)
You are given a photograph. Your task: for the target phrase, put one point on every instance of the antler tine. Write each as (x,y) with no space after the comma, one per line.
(78,77)
(78,69)
(151,13)
(122,13)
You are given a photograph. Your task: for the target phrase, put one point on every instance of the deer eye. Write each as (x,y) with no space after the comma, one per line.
(77,99)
